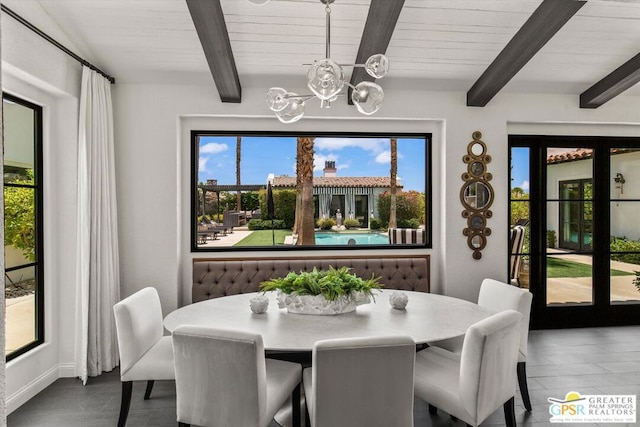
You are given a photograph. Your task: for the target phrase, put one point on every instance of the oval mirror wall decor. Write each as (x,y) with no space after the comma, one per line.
(476,195)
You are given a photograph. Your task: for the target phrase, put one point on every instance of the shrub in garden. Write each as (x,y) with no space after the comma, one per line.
(265,224)
(325,223)
(409,223)
(19,209)
(351,223)
(409,204)
(284,204)
(375,224)
(622,244)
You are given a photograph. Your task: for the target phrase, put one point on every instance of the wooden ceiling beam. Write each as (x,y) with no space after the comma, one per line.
(619,80)
(381,21)
(208,19)
(543,24)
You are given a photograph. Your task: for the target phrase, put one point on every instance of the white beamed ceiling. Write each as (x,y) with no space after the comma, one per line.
(437,44)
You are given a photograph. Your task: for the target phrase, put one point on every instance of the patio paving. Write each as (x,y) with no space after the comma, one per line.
(579,289)
(230,239)
(20,324)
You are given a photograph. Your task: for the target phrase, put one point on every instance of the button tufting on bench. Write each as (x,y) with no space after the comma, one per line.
(216,278)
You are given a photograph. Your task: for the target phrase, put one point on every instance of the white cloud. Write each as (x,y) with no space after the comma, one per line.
(202,164)
(385,157)
(525,185)
(213,148)
(375,145)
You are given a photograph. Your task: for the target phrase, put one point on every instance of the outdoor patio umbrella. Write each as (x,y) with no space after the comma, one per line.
(271,212)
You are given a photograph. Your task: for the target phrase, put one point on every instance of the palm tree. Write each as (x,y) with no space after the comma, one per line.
(298,214)
(304,166)
(238,193)
(394,174)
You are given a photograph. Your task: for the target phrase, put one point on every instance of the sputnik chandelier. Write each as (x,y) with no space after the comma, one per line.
(326,81)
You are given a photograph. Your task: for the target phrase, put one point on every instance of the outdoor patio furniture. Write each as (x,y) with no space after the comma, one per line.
(516,243)
(204,233)
(234,218)
(219,228)
(407,236)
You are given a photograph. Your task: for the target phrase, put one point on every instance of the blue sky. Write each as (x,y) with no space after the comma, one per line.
(353,156)
(520,169)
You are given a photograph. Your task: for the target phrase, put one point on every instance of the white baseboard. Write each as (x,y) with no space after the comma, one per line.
(28,391)
(66,370)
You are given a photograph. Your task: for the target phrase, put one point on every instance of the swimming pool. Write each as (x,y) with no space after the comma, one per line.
(343,238)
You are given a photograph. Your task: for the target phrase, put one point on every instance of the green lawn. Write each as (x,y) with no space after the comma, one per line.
(557,267)
(264,238)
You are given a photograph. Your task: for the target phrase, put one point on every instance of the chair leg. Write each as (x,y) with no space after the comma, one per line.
(127,388)
(147,392)
(522,383)
(307,417)
(510,412)
(295,406)
(432,409)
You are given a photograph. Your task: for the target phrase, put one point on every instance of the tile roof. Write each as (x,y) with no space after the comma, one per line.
(337,181)
(570,156)
(580,154)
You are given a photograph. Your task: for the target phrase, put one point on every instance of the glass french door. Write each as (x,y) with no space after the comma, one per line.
(583,248)
(575,211)
(362,209)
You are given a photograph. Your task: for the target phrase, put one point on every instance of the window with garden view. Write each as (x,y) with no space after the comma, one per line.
(22,122)
(266,190)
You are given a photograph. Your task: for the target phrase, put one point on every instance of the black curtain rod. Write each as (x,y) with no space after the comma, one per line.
(45,36)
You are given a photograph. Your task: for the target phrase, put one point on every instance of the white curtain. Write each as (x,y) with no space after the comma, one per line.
(3,406)
(97,272)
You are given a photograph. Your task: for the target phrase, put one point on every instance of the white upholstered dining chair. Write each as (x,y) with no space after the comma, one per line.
(223,379)
(498,296)
(473,384)
(145,354)
(361,382)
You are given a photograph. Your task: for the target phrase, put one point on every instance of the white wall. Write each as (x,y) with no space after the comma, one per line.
(16,152)
(39,73)
(152,124)
(623,214)
(152,160)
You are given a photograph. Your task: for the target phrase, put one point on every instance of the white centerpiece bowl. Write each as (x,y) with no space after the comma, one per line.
(322,292)
(319,305)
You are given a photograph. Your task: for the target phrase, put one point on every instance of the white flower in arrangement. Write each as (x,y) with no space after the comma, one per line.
(398,300)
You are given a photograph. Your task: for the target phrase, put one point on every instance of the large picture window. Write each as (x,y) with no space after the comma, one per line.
(23,225)
(254,190)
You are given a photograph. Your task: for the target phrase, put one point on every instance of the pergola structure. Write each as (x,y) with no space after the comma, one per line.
(216,188)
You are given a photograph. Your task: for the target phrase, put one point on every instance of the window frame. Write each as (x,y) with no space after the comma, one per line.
(194,138)
(39,263)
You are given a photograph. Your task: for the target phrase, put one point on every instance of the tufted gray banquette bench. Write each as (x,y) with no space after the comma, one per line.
(213,278)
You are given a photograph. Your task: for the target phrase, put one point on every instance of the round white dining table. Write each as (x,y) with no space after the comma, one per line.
(426,318)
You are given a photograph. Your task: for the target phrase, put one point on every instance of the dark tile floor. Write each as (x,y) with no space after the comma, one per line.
(589,361)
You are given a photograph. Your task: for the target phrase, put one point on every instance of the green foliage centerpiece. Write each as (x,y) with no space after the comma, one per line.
(324,292)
